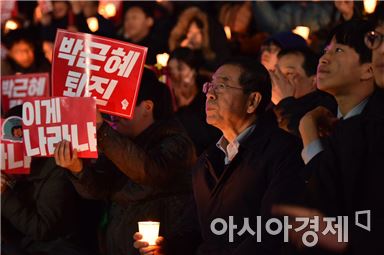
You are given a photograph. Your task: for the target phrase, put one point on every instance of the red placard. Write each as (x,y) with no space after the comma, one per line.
(89,65)
(47,121)
(16,88)
(13,158)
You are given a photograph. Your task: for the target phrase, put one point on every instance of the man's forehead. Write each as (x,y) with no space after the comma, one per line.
(227,73)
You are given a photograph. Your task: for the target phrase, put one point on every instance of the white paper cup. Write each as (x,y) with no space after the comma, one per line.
(149,230)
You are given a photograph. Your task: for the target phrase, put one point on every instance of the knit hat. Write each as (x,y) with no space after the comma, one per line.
(287,40)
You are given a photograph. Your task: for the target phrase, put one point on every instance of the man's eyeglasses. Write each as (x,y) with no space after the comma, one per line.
(373,39)
(217,87)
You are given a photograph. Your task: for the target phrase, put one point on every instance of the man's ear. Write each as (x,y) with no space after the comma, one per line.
(254,100)
(150,21)
(366,72)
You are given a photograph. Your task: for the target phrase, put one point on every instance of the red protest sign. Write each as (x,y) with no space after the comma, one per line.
(13,158)
(89,65)
(15,88)
(47,121)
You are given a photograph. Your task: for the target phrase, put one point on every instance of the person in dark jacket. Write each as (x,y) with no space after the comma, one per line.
(40,212)
(24,56)
(186,84)
(151,144)
(294,90)
(87,10)
(346,171)
(137,29)
(254,165)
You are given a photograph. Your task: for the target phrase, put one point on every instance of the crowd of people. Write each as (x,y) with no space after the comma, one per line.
(251,128)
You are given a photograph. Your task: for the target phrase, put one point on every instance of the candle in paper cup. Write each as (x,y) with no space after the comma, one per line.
(150,231)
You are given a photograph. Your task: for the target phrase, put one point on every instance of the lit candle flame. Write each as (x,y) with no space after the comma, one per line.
(162,59)
(93,24)
(10,25)
(302,31)
(370,6)
(227,31)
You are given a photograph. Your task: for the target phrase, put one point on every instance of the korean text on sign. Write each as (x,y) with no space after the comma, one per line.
(15,88)
(50,120)
(109,70)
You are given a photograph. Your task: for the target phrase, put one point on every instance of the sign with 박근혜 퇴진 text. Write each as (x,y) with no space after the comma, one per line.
(86,65)
(47,121)
(13,158)
(15,88)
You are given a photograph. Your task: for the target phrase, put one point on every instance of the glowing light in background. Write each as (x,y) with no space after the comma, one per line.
(302,31)
(10,25)
(370,5)
(93,24)
(227,31)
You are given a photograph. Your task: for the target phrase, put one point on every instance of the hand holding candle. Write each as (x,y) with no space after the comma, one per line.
(150,231)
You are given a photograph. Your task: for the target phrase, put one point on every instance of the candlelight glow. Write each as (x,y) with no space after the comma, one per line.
(10,25)
(370,6)
(93,24)
(107,10)
(227,31)
(302,31)
(162,59)
(150,231)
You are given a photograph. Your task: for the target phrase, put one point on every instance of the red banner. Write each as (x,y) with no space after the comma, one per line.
(16,88)
(88,65)
(13,158)
(47,121)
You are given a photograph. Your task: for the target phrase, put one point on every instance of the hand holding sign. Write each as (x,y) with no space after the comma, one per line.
(67,158)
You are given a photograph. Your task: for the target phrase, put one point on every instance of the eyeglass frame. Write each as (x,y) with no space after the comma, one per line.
(207,85)
(376,35)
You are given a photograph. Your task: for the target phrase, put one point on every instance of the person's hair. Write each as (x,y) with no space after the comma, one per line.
(193,58)
(152,89)
(18,35)
(146,7)
(14,111)
(254,77)
(14,128)
(311,60)
(351,33)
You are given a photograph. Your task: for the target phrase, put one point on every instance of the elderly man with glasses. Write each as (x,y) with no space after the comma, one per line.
(254,165)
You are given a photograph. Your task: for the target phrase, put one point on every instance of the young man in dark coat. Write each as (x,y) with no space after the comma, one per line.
(254,165)
(347,170)
(151,144)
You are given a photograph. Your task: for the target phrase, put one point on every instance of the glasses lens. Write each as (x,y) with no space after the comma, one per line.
(372,40)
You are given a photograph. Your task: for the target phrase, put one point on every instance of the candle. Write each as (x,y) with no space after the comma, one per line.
(93,24)
(162,59)
(150,231)
(302,31)
(370,6)
(10,25)
(227,31)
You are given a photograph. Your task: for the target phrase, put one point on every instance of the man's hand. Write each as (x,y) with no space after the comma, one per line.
(282,87)
(146,249)
(315,124)
(66,158)
(328,241)
(4,183)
